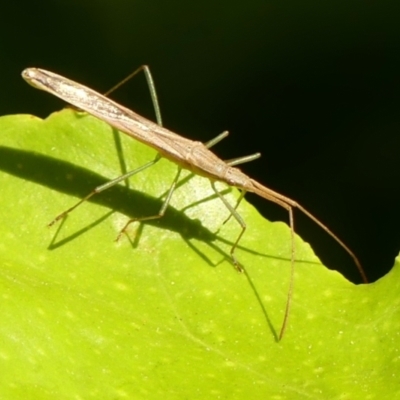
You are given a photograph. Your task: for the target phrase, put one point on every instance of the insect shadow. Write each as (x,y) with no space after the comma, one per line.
(35,167)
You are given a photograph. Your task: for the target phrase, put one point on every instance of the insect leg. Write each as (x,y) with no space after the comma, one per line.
(151,86)
(216,140)
(162,209)
(156,106)
(237,161)
(291,279)
(105,186)
(240,221)
(101,188)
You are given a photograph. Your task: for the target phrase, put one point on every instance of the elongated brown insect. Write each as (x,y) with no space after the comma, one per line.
(187,154)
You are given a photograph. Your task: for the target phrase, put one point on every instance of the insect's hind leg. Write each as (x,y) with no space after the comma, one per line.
(291,279)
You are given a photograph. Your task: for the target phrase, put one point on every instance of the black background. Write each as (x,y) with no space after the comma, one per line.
(312,85)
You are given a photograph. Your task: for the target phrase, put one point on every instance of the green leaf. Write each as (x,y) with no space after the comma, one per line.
(162,313)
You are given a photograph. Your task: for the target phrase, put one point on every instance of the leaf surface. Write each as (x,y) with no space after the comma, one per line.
(162,313)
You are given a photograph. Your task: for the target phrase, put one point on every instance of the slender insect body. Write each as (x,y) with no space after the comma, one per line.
(191,155)
(188,154)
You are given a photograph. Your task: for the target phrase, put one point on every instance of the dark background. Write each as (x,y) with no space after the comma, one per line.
(312,85)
